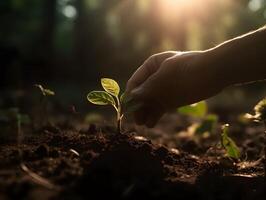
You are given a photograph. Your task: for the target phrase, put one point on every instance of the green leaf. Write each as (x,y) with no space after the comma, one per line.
(100,98)
(110,86)
(208,124)
(229,145)
(194,110)
(45,91)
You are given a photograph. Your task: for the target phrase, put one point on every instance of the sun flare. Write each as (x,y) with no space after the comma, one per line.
(172,9)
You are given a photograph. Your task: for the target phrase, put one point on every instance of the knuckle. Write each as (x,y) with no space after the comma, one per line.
(150,60)
(168,62)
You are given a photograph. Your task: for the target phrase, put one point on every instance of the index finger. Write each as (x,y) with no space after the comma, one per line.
(150,66)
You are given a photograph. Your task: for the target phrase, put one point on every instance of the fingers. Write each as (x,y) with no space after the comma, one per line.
(148,116)
(144,86)
(149,67)
(152,110)
(153,117)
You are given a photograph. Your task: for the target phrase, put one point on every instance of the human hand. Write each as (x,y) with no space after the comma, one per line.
(169,80)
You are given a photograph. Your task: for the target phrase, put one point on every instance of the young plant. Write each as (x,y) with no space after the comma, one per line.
(45,93)
(260,116)
(111,96)
(200,111)
(228,143)
(260,112)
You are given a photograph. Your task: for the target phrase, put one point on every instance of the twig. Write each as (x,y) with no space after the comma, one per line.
(38,179)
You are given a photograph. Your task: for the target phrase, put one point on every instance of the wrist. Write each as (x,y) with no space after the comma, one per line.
(211,65)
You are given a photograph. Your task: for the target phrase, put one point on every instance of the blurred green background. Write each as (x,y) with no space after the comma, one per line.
(69,44)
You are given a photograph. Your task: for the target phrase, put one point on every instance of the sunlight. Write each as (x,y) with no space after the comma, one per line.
(176,4)
(174,8)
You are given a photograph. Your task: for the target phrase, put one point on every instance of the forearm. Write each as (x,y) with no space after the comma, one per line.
(239,60)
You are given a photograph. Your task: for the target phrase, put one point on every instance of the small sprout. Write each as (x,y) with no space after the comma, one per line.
(260,116)
(228,144)
(44,91)
(111,96)
(200,110)
(260,112)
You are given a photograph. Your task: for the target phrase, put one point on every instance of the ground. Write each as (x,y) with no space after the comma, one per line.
(63,161)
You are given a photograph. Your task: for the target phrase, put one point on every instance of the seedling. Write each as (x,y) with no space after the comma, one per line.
(45,93)
(228,143)
(260,112)
(199,111)
(260,116)
(111,96)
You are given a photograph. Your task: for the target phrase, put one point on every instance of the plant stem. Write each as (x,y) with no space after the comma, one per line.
(119,126)
(119,116)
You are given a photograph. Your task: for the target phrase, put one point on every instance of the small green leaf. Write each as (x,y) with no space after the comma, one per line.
(100,98)
(110,86)
(45,91)
(229,145)
(194,110)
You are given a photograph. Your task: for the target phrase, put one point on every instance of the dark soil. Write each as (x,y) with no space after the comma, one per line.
(98,163)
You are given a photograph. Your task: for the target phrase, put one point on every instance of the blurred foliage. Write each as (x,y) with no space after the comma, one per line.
(232,151)
(206,122)
(195,110)
(83,40)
